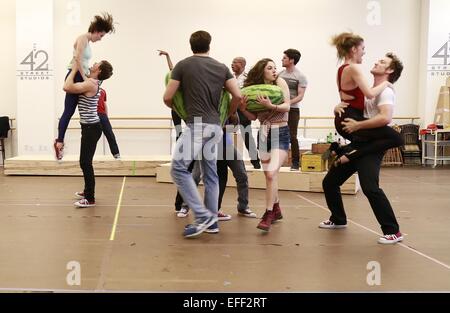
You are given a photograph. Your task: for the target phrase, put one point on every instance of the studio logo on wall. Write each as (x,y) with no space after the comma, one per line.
(35,65)
(439,64)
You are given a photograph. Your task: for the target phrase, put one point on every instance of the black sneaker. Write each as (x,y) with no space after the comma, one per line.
(256,165)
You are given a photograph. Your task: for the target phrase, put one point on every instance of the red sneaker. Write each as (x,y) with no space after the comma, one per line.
(391,238)
(58,150)
(266,221)
(277,212)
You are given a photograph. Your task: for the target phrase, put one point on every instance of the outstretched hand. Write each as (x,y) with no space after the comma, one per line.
(162,52)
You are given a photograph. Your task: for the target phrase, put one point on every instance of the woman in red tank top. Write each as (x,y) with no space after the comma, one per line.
(352,85)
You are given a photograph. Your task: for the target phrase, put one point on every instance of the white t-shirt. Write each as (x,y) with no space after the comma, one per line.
(294,80)
(386,97)
(241,78)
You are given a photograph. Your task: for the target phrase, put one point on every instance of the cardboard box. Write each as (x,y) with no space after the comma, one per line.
(442,114)
(319,147)
(312,162)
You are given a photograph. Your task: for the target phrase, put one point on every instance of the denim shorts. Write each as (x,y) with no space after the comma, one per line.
(278,138)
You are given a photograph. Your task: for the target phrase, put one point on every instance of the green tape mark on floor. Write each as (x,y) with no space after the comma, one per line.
(133,170)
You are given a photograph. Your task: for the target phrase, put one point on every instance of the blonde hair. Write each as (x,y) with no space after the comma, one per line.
(344,42)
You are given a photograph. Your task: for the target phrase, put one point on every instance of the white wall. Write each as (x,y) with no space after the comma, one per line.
(7,68)
(436,69)
(253,29)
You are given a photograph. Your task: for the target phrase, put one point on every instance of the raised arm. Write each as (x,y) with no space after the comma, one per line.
(169,61)
(360,80)
(85,87)
(80,45)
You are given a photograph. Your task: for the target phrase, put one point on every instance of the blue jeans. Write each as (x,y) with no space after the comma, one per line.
(198,141)
(109,134)
(277,138)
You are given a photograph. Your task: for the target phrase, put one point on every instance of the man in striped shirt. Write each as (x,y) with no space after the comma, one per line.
(91,130)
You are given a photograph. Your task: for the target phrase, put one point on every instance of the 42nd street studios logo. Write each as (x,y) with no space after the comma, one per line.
(440,64)
(35,66)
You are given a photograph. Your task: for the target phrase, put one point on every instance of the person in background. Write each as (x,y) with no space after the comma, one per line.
(238,68)
(297,83)
(102,110)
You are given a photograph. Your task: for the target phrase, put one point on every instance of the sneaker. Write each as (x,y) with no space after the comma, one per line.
(223,216)
(256,164)
(213,229)
(295,167)
(58,150)
(330,225)
(277,212)
(391,239)
(266,221)
(84,203)
(196,229)
(79,194)
(116,156)
(247,213)
(184,212)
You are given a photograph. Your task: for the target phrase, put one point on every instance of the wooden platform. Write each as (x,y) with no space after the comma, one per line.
(288,180)
(69,165)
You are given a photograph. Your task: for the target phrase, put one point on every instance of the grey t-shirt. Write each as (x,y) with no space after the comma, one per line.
(201,81)
(294,80)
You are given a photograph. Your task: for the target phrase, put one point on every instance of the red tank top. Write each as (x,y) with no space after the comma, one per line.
(101,102)
(358,95)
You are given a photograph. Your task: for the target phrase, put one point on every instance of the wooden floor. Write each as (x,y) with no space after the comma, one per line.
(41,232)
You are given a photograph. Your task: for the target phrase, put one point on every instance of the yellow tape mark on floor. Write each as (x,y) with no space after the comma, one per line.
(116,217)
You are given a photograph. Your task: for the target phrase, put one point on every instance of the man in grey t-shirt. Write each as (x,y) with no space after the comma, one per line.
(201,80)
(297,85)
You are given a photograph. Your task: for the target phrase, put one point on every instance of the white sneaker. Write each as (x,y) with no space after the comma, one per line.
(184,212)
(330,225)
(223,216)
(390,239)
(79,195)
(247,213)
(84,203)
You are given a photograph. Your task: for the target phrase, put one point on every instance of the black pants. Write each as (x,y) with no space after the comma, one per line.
(90,134)
(248,137)
(229,157)
(368,168)
(381,138)
(109,134)
(177,123)
(294,117)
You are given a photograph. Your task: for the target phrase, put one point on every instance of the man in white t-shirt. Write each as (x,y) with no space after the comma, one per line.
(379,113)
(297,83)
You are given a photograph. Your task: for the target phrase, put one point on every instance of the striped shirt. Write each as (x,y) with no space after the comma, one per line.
(267,118)
(87,107)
